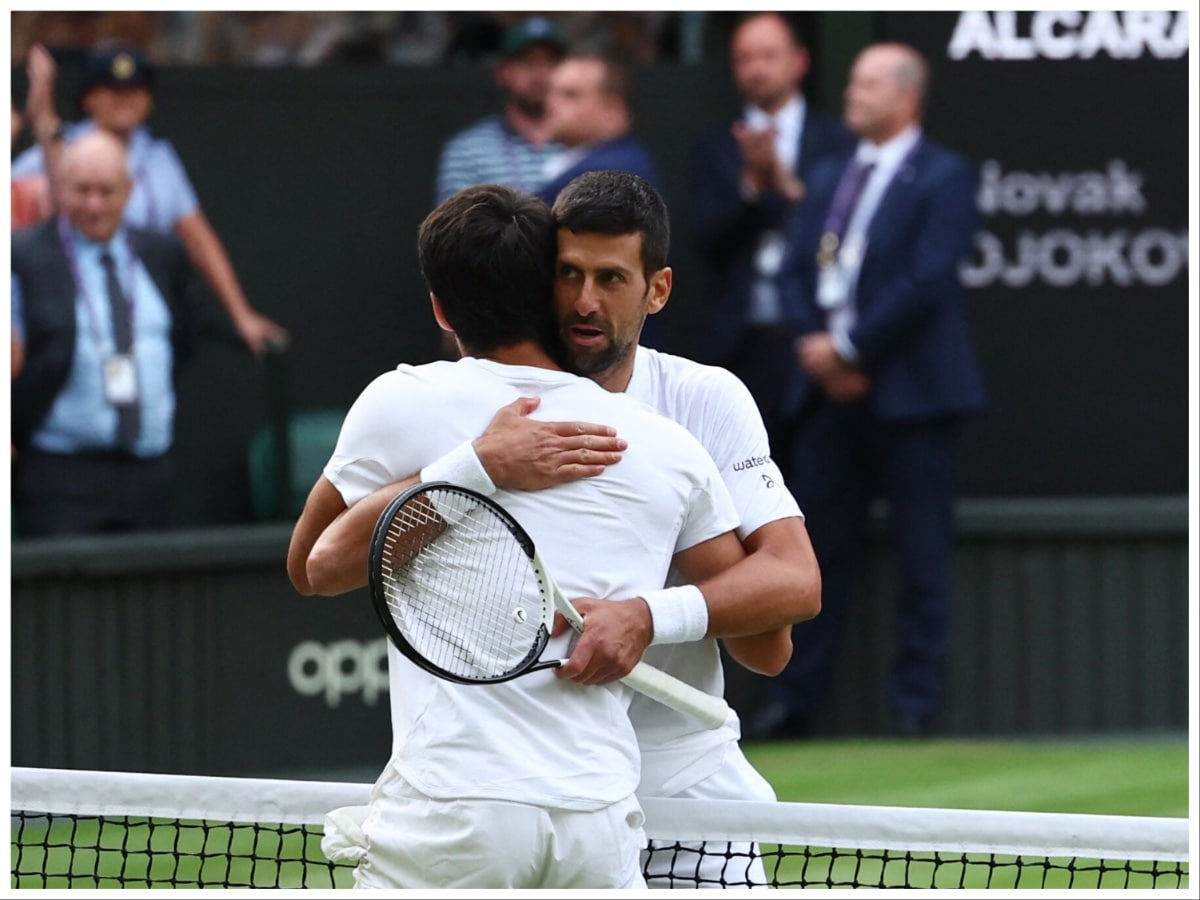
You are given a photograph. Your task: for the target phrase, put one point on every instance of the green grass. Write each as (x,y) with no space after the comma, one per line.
(1100,777)
(1094,777)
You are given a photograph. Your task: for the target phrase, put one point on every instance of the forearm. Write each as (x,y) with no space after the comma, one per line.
(208,255)
(775,586)
(763,654)
(321,507)
(338,560)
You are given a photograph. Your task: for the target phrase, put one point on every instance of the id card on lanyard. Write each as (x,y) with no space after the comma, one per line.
(120,380)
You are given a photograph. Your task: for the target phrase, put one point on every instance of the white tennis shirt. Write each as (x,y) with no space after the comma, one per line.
(714,406)
(537,739)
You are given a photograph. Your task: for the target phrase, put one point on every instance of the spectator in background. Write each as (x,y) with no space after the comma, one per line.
(745,179)
(588,113)
(885,374)
(116,94)
(101,319)
(512,147)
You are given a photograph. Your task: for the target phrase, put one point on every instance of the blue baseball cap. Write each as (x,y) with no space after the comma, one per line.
(530,32)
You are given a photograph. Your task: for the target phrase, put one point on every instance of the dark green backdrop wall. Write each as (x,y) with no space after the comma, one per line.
(317,179)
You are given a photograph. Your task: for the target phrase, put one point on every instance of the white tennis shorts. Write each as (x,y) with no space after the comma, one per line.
(414,841)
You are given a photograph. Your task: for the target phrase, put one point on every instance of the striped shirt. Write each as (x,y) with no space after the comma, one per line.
(489,152)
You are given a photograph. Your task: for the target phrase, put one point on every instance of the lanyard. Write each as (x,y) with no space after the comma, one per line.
(835,235)
(67,238)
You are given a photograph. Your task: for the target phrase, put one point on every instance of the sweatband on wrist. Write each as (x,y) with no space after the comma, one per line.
(680,614)
(461,466)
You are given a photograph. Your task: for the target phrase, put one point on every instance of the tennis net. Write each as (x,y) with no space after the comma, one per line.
(73,828)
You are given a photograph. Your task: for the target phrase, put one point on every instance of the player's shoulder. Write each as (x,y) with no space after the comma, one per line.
(684,377)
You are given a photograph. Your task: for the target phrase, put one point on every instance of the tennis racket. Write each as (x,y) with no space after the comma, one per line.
(460,590)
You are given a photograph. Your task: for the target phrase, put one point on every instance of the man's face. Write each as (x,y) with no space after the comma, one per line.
(526,78)
(875,103)
(121,110)
(93,192)
(768,65)
(576,103)
(602,298)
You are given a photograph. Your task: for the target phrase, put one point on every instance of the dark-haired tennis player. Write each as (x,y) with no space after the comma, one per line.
(529,783)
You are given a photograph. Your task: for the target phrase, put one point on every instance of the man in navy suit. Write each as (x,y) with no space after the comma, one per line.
(587,111)
(745,180)
(885,373)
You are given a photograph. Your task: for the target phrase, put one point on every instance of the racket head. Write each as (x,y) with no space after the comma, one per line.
(452,581)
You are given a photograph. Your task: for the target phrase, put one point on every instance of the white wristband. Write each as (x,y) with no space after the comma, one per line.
(680,614)
(461,466)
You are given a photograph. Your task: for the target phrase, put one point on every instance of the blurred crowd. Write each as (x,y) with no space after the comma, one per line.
(218,37)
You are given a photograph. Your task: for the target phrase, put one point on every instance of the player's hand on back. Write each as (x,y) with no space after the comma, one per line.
(520,453)
(615,635)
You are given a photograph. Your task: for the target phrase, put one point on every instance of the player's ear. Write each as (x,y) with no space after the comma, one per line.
(660,290)
(438,314)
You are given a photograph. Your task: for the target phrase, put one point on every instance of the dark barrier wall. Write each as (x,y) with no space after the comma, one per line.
(190,652)
(318,178)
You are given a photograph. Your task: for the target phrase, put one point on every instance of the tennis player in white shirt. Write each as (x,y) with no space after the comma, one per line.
(529,783)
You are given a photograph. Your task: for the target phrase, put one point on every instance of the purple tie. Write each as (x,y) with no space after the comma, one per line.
(849,190)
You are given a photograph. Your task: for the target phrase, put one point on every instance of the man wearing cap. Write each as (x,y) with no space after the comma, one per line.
(116,95)
(512,147)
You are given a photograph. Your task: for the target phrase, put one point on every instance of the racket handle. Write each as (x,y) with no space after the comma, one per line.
(668,690)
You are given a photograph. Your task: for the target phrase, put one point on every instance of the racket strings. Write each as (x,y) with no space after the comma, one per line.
(460,588)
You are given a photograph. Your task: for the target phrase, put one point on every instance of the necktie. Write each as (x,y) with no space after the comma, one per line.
(128,414)
(845,199)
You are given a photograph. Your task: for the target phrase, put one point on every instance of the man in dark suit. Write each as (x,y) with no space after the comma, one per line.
(101,318)
(587,111)
(885,372)
(745,180)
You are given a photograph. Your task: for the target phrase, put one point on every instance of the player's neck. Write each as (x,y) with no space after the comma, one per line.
(616,378)
(526,353)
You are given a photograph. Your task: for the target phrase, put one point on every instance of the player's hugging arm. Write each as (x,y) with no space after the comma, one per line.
(763,654)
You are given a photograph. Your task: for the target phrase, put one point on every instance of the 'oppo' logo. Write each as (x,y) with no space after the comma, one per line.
(341,668)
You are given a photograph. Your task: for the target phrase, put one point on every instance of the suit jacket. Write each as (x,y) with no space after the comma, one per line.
(624,154)
(911,330)
(727,227)
(49,296)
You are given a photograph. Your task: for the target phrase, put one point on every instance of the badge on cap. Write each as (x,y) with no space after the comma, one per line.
(123,66)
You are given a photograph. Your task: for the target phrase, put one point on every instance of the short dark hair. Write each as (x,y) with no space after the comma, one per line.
(614,203)
(487,253)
